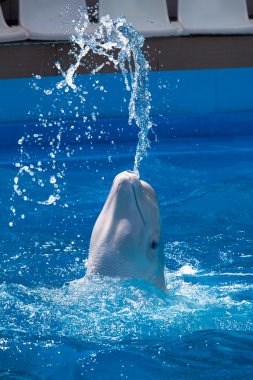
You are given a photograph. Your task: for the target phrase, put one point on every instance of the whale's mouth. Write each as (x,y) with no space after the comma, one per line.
(137,203)
(131,179)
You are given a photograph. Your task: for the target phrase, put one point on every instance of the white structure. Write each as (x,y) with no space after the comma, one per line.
(10,33)
(214,17)
(149,17)
(50,19)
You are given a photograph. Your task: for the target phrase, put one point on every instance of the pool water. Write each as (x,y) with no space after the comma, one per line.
(53,327)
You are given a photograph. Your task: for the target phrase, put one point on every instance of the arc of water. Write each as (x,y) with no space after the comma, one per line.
(122,45)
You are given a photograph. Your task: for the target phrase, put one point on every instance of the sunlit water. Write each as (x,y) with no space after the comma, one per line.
(53,327)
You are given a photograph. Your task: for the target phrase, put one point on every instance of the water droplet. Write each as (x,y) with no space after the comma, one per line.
(48,92)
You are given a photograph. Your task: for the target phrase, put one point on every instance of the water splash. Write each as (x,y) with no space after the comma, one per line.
(40,180)
(121,44)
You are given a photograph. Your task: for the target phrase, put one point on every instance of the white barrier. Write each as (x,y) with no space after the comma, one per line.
(149,17)
(10,33)
(214,17)
(49,19)
(55,19)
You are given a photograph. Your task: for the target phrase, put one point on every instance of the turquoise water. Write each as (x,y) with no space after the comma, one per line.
(52,327)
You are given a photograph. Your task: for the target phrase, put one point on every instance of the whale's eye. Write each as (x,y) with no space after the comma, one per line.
(154,244)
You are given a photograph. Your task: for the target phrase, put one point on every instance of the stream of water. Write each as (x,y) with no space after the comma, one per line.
(120,45)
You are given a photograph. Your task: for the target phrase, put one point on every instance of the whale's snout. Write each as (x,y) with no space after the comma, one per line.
(127,187)
(126,178)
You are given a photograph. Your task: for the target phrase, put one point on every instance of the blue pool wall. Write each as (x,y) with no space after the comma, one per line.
(184,103)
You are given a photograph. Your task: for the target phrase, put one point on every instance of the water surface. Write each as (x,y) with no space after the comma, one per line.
(52,327)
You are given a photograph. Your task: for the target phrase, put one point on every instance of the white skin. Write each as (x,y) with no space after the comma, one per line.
(125,240)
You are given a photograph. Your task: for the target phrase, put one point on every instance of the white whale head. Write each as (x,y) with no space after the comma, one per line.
(126,238)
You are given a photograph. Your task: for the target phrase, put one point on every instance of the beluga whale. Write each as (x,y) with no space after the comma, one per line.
(126,238)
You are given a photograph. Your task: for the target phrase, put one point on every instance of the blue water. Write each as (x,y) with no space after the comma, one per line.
(52,327)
